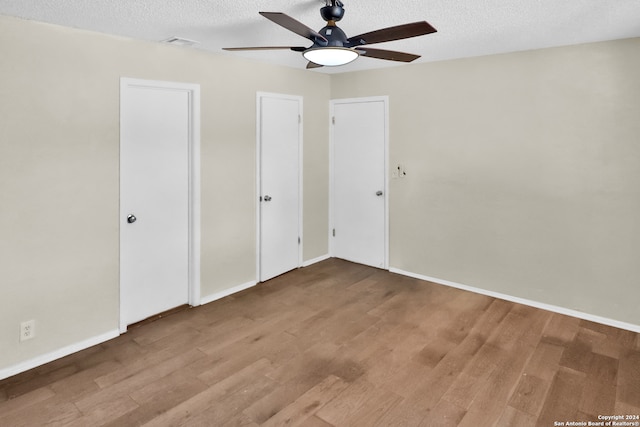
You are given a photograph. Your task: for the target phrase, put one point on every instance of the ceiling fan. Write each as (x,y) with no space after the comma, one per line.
(332,47)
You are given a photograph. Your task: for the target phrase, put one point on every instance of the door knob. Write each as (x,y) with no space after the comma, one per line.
(379,193)
(131,218)
(267,198)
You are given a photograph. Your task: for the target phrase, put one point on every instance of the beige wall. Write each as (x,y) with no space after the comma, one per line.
(59,138)
(523,173)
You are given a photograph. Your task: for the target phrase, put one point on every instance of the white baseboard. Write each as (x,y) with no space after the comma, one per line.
(231,291)
(226,292)
(57,354)
(82,345)
(536,304)
(316,260)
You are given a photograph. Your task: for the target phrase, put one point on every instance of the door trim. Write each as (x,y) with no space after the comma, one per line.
(259,96)
(332,104)
(193,91)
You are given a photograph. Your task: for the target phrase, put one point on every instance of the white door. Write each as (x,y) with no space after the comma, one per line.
(359,190)
(279,184)
(156,137)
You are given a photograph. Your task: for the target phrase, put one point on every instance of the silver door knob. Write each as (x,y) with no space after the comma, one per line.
(131,218)
(267,198)
(379,193)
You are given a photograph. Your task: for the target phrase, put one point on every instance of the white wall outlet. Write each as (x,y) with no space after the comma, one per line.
(27,330)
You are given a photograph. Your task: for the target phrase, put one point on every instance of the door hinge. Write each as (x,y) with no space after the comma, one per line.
(299,119)
(299,240)
(333,120)
(334,232)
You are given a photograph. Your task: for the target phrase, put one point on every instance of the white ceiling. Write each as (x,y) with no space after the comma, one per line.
(465,27)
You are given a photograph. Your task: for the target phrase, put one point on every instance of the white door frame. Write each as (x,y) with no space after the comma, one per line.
(259,96)
(193,91)
(332,104)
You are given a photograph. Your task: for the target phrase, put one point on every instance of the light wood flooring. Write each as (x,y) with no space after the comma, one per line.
(340,344)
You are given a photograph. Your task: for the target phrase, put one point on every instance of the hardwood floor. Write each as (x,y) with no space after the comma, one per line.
(340,344)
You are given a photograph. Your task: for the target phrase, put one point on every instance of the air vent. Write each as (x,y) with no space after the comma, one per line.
(179,41)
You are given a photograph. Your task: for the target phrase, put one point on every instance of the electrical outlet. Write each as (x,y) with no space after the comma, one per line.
(27,330)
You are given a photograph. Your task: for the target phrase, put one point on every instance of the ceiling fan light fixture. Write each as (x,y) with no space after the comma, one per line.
(330,56)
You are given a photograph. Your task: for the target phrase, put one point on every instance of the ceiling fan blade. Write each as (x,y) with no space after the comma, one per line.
(398,32)
(292,25)
(293,48)
(390,55)
(311,65)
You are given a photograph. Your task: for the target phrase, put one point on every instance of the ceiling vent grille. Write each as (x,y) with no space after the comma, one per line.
(179,41)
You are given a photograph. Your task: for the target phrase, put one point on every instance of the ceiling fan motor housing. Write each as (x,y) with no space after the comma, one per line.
(334,35)
(333,12)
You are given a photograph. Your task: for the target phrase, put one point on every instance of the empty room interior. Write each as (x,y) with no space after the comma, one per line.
(496,283)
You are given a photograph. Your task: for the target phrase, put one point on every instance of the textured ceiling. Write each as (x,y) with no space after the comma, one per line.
(465,27)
